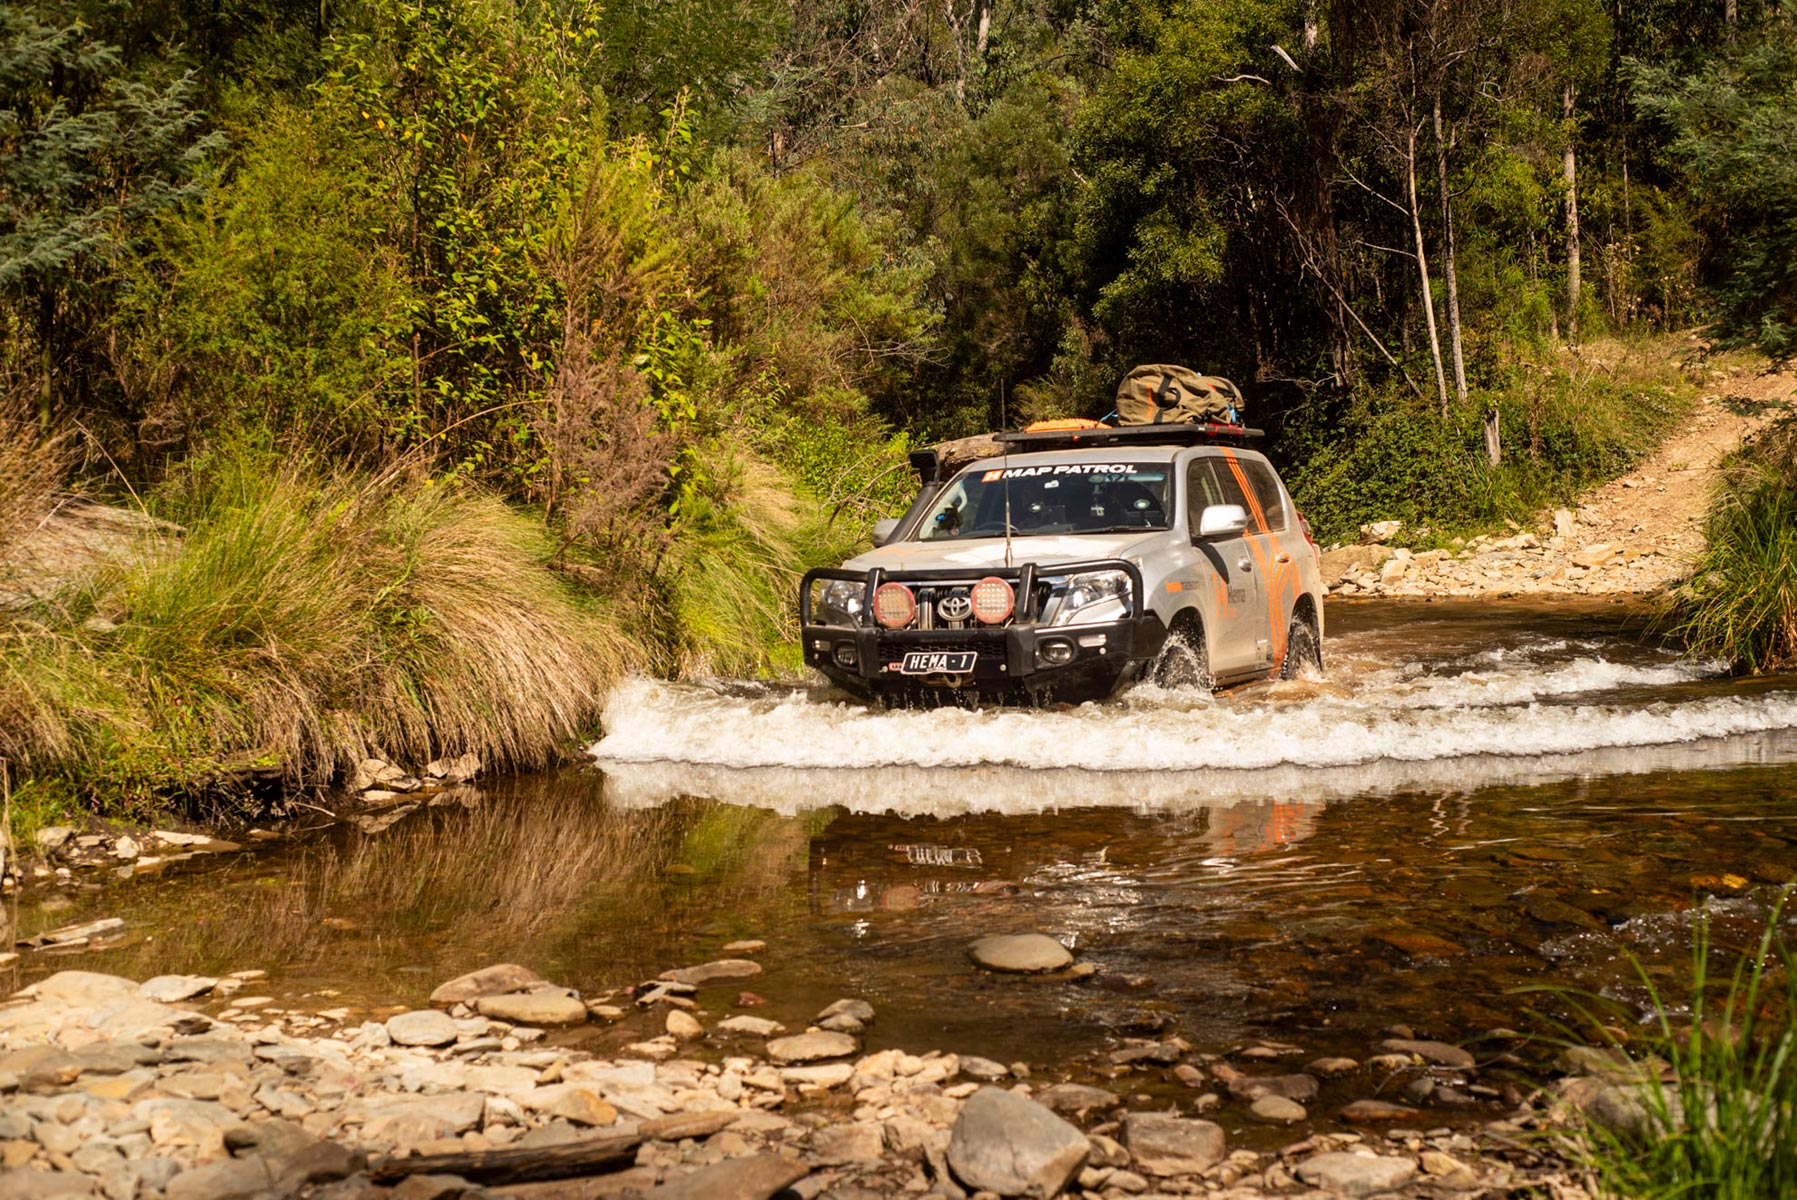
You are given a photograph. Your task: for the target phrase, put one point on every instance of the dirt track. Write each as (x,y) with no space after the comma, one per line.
(1637,534)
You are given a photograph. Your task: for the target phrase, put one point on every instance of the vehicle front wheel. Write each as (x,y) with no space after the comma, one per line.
(1183,661)
(1303,651)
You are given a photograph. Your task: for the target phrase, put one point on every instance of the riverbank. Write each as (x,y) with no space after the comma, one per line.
(188,1088)
(1636,535)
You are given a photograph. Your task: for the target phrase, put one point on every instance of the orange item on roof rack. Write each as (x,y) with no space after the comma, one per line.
(1062,423)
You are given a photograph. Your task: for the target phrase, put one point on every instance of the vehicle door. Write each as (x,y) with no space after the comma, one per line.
(1238,624)
(1277,556)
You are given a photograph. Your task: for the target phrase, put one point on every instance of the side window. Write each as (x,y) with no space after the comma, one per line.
(1208,483)
(1266,491)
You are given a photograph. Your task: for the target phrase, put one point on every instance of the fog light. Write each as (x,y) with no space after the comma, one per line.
(1056,653)
(993,600)
(846,655)
(894,605)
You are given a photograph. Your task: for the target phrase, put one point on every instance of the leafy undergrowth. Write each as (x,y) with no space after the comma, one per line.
(1741,603)
(1566,424)
(304,621)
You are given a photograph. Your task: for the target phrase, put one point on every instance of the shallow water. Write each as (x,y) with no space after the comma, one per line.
(1478,799)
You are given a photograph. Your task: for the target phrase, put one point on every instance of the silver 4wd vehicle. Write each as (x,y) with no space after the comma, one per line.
(1079,562)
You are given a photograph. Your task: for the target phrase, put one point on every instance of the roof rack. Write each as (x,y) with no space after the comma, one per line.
(1128,435)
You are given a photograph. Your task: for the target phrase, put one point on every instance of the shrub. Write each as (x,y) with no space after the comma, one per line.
(1741,602)
(301,624)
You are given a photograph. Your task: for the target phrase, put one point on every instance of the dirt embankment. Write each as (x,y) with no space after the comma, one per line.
(1635,535)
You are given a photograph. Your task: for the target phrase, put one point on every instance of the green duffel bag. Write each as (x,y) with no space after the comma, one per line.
(1163,394)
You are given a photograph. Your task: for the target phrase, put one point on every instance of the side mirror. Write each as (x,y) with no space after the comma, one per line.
(1222,520)
(885,527)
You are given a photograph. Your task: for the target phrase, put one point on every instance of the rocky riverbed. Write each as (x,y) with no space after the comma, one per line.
(187,1088)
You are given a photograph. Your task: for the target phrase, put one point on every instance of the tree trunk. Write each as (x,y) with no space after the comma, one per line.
(1450,270)
(1422,270)
(1494,444)
(984,31)
(1313,27)
(1572,222)
(1729,15)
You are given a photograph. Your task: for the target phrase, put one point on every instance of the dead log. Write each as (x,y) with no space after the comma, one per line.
(521,1164)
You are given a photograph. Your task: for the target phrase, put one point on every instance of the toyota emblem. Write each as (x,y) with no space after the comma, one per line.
(954,608)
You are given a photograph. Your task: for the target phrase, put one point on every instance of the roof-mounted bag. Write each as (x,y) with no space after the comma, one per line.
(1164,394)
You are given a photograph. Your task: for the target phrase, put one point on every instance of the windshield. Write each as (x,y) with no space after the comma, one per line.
(1061,498)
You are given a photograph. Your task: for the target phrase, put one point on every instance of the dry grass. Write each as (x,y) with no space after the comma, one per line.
(33,465)
(305,623)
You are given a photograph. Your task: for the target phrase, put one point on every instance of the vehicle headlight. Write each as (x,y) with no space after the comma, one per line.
(1093,596)
(842,602)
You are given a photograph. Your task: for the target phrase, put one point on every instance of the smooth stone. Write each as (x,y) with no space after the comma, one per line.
(1330,1067)
(1277,1110)
(859,1010)
(1011,1145)
(422,1027)
(26,1184)
(811,1047)
(753,1177)
(975,1067)
(1077,1098)
(227,1179)
(1300,1087)
(1439,1053)
(1356,1174)
(826,1075)
(497,980)
(83,989)
(1024,953)
(723,970)
(1167,1145)
(1369,1112)
(755,1026)
(172,989)
(533,1008)
(684,1025)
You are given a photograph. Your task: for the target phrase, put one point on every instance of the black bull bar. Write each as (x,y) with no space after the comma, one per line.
(1022,580)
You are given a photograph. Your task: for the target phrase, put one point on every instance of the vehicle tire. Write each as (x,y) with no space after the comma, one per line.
(1183,662)
(1303,650)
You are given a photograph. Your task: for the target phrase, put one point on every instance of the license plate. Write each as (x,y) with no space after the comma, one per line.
(937,662)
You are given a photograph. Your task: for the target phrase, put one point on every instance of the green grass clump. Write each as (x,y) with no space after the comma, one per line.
(1723,1126)
(303,621)
(1741,603)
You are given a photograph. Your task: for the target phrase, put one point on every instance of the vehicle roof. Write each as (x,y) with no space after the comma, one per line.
(1101,454)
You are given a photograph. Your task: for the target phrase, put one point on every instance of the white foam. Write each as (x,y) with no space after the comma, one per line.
(652,721)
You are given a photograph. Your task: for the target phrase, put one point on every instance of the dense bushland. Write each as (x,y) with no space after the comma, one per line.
(629,313)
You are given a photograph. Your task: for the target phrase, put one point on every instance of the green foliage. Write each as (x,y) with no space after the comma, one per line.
(1732,125)
(305,619)
(1741,603)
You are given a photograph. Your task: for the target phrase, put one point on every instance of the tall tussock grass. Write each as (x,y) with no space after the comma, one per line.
(303,622)
(1711,1091)
(1741,603)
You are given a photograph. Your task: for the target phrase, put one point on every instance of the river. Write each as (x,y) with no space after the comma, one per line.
(1479,801)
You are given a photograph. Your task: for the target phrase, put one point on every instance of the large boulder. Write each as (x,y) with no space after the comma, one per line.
(1008,1144)
(496,980)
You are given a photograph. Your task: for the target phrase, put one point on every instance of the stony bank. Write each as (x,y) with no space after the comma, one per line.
(192,1088)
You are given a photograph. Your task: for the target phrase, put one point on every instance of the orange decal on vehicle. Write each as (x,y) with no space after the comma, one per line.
(1173,585)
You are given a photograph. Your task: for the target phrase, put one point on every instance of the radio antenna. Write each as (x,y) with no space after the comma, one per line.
(1006,475)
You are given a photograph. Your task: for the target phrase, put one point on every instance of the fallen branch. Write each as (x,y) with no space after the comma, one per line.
(522,1164)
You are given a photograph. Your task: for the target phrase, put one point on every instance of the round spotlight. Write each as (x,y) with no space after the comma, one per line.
(1056,653)
(894,605)
(993,600)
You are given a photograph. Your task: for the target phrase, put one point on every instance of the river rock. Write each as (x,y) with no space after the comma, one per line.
(811,1047)
(1373,1112)
(1011,1145)
(26,1184)
(684,1025)
(1299,1087)
(454,770)
(1439,1053)
(1328,1068)
(1277,1110)
(859,1010)
(1024,953)
(1168,1145)
(172,989)
(82,989)
(722,970)
(1077,1098)
(423,1027)
(533,1008)
(753,1177)
(1356,1174)
(754,1026)
(975,1067)
(229,1179)
(498,980)
(52,838)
